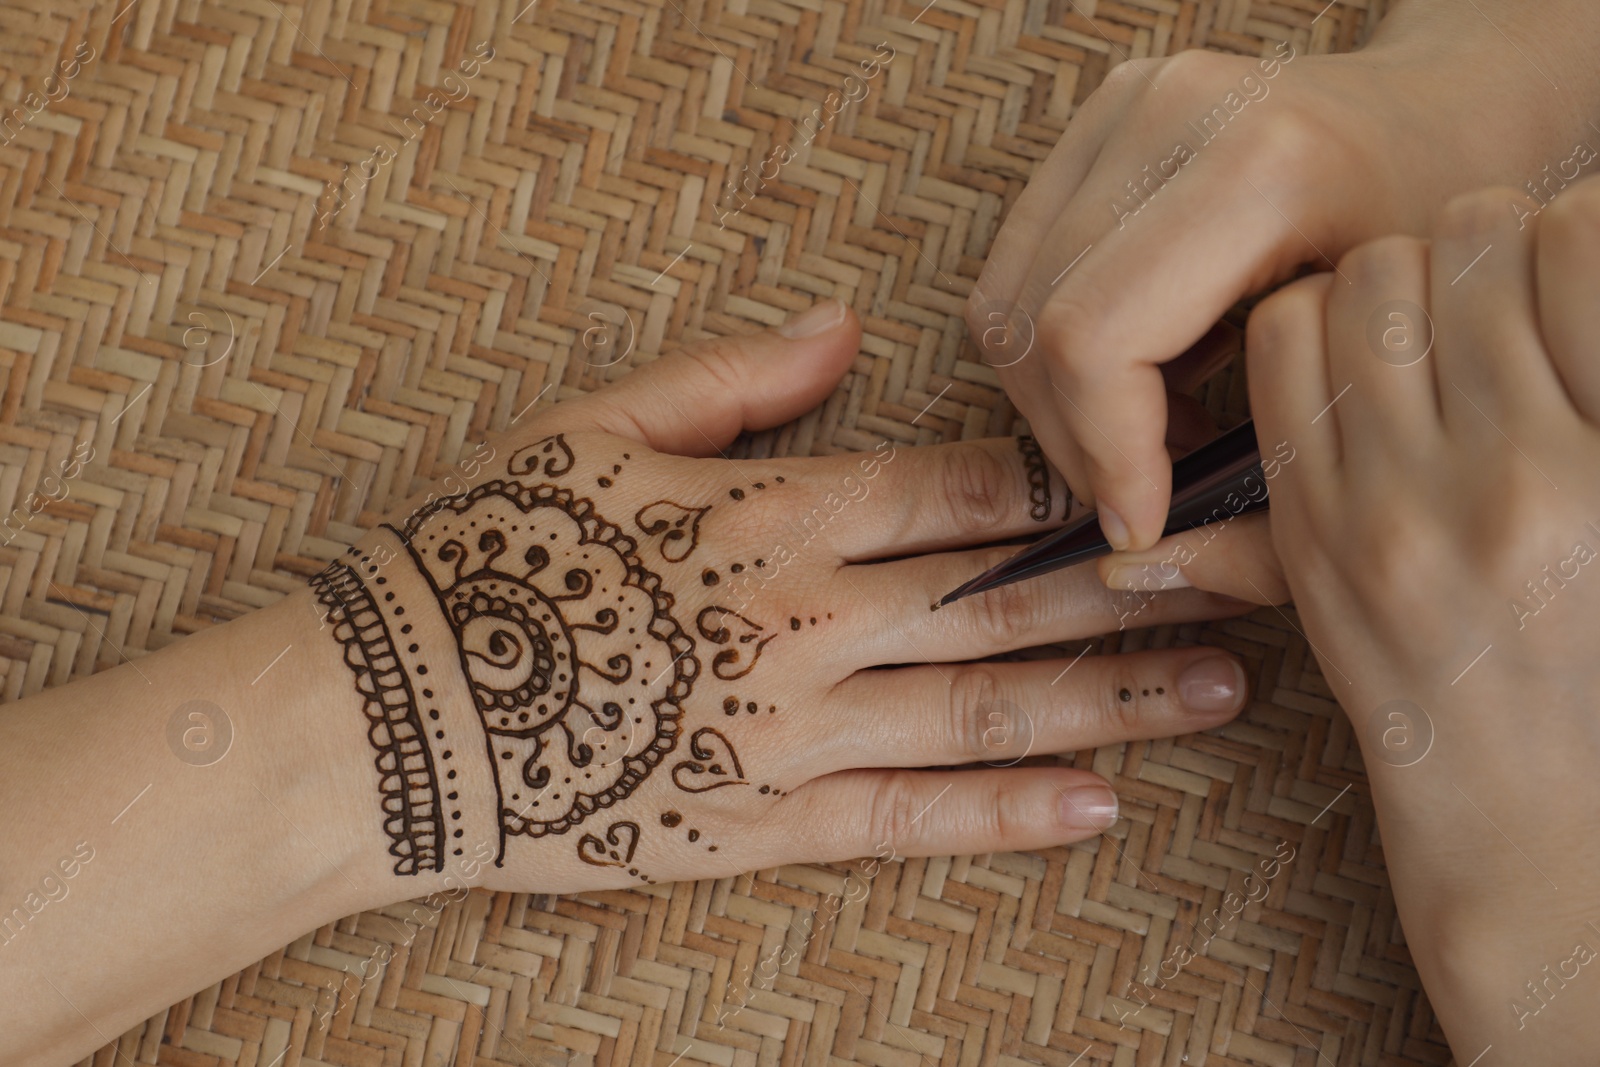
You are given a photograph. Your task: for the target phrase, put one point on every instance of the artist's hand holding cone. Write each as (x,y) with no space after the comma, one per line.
(1438,529)
(1184,184)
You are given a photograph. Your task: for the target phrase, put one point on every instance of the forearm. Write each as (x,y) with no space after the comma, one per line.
(136,868)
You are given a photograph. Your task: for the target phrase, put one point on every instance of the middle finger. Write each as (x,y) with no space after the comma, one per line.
(888,609)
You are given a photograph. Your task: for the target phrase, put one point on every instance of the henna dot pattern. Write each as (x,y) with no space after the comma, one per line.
(674,819)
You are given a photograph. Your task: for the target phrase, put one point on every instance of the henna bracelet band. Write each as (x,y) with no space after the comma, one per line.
(422,724)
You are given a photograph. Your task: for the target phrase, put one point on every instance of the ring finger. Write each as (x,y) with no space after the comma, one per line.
(999,713)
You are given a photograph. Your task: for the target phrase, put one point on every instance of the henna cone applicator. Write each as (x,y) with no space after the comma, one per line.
(1214,483)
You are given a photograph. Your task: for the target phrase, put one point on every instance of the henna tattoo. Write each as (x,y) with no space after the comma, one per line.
(713,764)
(556,705)
(408,776)
(553,452)
(621,841)
(673,819)
(551,675)
(622,837)
(1038,478)
(714,625)
(730,706)
(678,525)
(572,675)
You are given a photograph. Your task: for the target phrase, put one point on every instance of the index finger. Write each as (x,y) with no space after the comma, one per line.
(1110,307)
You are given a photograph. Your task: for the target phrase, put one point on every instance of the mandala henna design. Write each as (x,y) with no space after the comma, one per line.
(572,670)
(721,625)
(1038,478)
(678,526)
(569,646)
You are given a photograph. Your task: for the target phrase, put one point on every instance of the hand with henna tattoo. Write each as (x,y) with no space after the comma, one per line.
(607,664)
(607,656)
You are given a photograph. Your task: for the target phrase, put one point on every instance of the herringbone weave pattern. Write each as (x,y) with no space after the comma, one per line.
(281,262)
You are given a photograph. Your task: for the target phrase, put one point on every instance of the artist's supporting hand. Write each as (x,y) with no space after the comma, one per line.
(587,661)
(1184,184)
(1439,526)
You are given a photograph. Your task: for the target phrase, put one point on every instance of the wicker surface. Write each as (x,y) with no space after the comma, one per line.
(259,386)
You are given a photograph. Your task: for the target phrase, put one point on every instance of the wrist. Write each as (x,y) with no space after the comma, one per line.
(407,772)
(1515,78)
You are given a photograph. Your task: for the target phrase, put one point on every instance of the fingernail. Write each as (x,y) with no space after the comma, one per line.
(1146,577)
(1215,683)
(820,318)
(1114,528)
(1088,807)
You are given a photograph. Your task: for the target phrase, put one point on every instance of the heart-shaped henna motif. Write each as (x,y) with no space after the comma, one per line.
(677,525)
(552,452)
(713,764)
(615,851)
(724,626)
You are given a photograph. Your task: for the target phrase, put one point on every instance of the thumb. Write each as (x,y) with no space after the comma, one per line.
(696,400)
(1234,558)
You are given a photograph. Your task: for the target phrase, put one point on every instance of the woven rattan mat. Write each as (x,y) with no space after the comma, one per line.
(166,286)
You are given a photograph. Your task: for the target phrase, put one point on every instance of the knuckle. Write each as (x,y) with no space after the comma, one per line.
(1287,140)
(1130,73)
(1118,716)
(1385,262)
(721,359)
(980,488)
(1398,562)
(1193,68)
(972,717)
(1069,324)
(1481,212)
(1287,316)
(1577,210)
(893,816)
(1005,616)
(1006,817)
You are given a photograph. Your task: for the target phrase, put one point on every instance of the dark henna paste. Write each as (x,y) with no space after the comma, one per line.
(572,670)
(713,764)
(723,626)
(1038,478)
(677,526)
